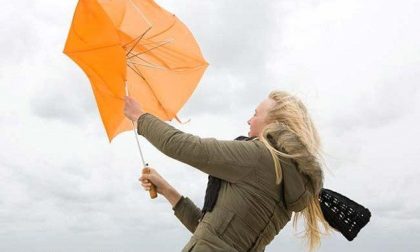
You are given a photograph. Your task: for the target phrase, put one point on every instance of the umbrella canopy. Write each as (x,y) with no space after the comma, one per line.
(134,44)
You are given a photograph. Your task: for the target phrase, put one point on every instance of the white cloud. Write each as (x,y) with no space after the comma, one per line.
(355,64)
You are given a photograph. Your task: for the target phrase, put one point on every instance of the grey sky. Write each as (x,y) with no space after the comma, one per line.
(355,64)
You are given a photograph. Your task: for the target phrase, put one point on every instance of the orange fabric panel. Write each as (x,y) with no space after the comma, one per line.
(139,44)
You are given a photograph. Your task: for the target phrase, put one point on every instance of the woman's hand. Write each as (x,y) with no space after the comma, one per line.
(132,110)
(154,177)
(162,186)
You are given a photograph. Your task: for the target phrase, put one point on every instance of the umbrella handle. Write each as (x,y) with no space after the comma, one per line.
(153,191)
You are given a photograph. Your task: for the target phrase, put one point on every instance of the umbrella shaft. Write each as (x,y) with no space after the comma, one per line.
(138,145)
(135,134)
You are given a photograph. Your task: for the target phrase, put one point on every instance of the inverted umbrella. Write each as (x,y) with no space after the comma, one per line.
(136,48)
(138,43)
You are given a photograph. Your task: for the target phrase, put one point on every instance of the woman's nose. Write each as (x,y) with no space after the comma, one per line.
(249,122)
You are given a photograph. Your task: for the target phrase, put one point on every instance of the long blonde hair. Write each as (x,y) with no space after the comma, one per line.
(293,130)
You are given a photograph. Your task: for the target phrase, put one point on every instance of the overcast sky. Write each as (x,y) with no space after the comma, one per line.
(355,64)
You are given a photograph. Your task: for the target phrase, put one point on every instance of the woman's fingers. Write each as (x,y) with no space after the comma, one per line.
(145,182)
(148,176)
(146,186)
(145,176)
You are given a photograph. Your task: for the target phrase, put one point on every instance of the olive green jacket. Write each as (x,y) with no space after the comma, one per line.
(251,209)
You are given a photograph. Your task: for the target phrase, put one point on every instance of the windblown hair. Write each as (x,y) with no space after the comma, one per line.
(291,129)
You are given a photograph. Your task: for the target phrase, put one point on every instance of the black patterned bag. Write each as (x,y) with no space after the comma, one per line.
(342,213)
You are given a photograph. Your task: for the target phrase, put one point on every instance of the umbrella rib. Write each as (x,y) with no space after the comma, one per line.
(179,69)
(167,29)
(136,71)
(142,35)
(141,13)
(147,30)
(129,60)
(158,43)
(174,53)
(138,40)
(91,49)
(190,69)
(140,53)
(150,65)
(151,89)
(152,42)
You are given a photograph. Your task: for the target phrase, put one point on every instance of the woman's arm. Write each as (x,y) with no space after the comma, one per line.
(228,160)
(188,213)
(184,209)
(172,196)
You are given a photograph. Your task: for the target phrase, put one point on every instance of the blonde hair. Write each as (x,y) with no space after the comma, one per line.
(291,128)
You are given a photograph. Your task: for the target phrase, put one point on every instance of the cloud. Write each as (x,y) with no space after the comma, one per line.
(354,64)
(64,99)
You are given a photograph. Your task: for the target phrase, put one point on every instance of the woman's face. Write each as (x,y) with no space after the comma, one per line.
(257,122)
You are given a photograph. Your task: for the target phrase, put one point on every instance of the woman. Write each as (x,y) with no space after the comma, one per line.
(262,181)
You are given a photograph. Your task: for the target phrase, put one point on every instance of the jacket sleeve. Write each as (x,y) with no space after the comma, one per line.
(227,160)
(188,213)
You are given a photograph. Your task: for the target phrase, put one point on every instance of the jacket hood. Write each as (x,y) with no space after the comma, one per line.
(295,188)
(302,177)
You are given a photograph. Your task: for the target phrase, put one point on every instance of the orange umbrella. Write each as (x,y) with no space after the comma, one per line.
(134,44)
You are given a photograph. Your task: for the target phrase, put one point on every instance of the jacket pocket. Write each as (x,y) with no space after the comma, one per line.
(219,220)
